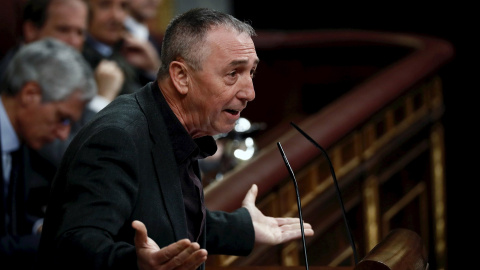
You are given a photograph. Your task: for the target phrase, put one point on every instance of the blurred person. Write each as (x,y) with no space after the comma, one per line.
(107,38)
(61,19)
(66,20)
(135,165)
(45,88)
(141,13)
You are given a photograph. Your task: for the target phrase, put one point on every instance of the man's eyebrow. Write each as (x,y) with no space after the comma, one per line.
(242,62)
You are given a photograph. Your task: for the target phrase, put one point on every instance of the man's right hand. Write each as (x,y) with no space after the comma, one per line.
(183,254)
(109,78)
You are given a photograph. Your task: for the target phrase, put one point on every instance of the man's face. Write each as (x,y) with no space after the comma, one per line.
(107,20)
(66,21)
(224,85)
(40,122)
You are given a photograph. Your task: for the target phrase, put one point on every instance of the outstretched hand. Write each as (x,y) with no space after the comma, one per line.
(270,230)
(182,255)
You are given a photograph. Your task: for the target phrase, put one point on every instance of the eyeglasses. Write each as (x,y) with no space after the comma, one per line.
(65,121)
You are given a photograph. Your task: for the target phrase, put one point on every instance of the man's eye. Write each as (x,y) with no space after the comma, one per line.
(65,121)
(232,74)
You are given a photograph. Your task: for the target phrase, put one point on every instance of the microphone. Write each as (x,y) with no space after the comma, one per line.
(339,195)
(298,202)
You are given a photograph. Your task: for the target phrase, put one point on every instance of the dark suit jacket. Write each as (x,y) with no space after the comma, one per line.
(119,168)
(18,250)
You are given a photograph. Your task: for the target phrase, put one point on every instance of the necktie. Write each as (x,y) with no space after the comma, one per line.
(12,191)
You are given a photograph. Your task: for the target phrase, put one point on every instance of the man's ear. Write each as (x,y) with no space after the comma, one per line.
(179,76)
(30,32)
(31,93)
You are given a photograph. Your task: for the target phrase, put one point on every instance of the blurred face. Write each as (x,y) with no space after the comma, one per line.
(39,123)
(143,10)
(66,21)
(221,89)
(107,18)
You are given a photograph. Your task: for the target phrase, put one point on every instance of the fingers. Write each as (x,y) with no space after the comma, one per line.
(195,260)
(108,68)
(183,255)
(290,221)
(109,78)
(171,251)
(251,195)
(292,227)
(141,237)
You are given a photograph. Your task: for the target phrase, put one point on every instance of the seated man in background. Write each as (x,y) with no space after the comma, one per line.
(107,38)
(141,13)
(45,89)
(66,20)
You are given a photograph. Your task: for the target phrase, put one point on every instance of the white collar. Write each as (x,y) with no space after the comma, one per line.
(9,138)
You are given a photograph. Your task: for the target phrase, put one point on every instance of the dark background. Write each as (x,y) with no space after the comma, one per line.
(448,21)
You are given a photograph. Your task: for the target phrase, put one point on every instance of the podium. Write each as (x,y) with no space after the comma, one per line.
(401,249)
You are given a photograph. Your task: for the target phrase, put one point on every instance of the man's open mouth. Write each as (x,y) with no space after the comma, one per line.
(233,112)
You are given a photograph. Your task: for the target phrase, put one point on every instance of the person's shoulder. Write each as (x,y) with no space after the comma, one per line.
(127,111)
(122,118)
(122,107)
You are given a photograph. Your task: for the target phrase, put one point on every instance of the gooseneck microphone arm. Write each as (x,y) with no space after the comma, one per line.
(339,195)
(298,201)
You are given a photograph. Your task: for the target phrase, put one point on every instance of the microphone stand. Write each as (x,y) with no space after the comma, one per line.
(336,186)
(298,201)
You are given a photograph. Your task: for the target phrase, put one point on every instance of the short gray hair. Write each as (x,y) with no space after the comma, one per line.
(186,33)
(58,68)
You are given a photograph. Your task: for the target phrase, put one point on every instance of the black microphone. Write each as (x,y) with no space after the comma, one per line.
(298,202)
(339,195)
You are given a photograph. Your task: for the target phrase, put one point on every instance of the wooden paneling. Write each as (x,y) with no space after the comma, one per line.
(385,140)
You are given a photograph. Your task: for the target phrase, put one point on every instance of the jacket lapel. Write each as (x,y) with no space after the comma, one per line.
(164,160)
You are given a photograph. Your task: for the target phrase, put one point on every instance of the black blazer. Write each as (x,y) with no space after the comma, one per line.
(119,168)
(18,249)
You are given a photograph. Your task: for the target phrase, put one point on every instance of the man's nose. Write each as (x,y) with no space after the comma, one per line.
(62,131)
(247,91)
(76,41)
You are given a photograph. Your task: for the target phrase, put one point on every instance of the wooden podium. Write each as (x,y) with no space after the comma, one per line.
(279,268)
(402,249)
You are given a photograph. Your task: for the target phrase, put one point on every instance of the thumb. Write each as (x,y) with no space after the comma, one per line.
(141,237)
(251,196)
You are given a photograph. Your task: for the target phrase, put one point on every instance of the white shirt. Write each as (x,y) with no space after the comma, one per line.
(10,143)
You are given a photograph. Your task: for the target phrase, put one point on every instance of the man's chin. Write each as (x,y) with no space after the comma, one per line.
(227,128)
